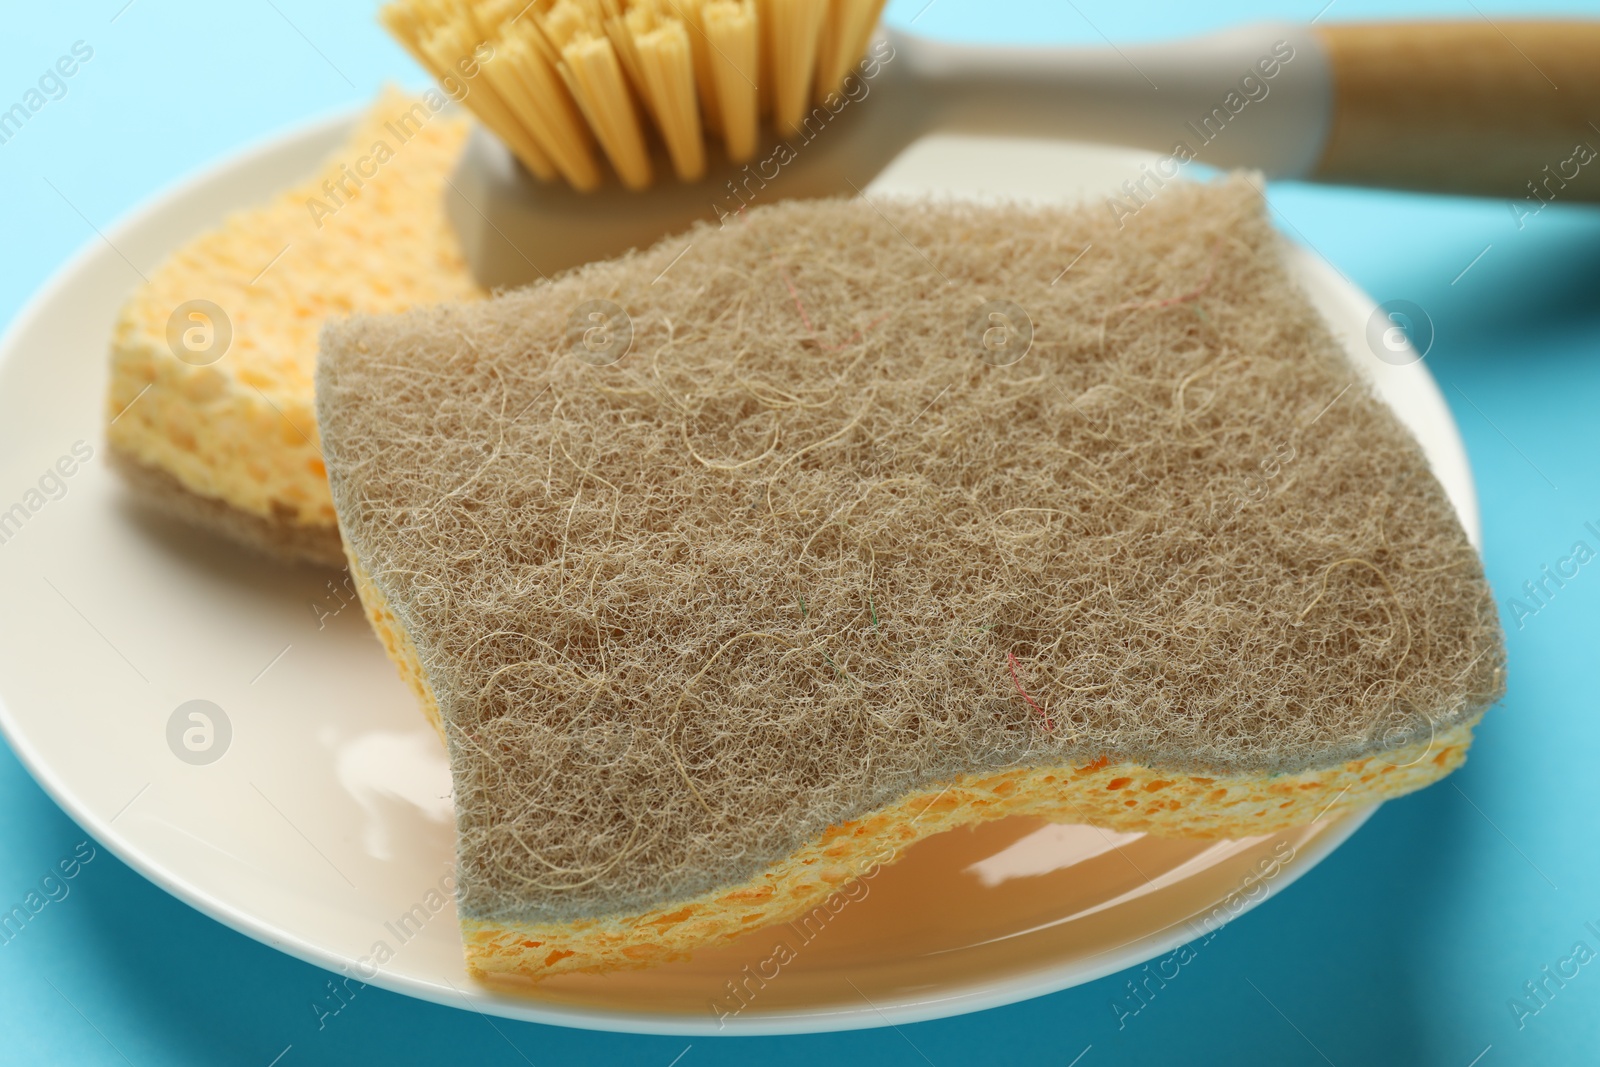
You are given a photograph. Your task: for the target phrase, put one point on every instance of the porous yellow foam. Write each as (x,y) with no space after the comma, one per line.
(243,429)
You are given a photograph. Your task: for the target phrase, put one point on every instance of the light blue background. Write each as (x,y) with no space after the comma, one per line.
(1404,947)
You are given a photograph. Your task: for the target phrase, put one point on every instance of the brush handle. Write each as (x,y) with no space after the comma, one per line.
(1255,96)
(1507,109)
(1490,109)
(1496,109)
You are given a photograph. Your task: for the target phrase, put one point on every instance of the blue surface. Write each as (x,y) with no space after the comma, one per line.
(1405,947)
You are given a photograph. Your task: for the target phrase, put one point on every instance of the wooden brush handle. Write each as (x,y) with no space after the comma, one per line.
(1504,109)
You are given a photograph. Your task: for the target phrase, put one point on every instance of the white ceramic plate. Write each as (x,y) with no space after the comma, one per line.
(325,824)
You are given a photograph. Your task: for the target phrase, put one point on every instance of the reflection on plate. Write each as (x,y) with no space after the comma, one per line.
(324,827)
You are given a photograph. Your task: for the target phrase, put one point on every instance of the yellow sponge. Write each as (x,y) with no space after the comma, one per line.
(728,574)
(210,409)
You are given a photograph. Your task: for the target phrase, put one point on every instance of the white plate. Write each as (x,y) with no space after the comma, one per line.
(327,819)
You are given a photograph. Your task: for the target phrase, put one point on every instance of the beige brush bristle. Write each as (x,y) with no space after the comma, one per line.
(731,35)
(593,72)
(846,30)
(433,32)
(791,29)
(666,72)
(527,79)
(563,78)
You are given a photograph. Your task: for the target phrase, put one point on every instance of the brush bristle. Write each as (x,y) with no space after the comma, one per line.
(573,85)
